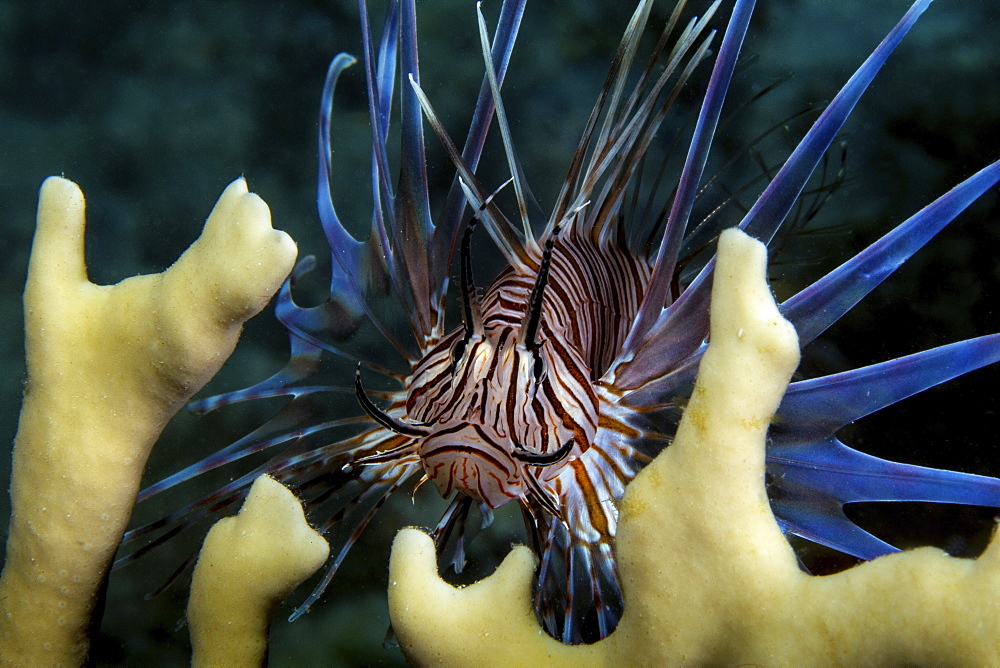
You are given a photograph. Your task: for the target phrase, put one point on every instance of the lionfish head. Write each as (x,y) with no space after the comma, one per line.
(504,405)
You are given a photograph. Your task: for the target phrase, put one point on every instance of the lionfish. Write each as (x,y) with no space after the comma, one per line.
(567,372)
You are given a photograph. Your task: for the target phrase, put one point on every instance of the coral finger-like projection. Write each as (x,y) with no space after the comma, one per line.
(248,564)
(707,575)
(108,366)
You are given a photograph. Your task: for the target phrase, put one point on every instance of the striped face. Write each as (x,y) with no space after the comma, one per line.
(504,415)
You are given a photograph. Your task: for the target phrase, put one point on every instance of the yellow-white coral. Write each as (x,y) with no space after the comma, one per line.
(108,366)
(707,575)
(249,564)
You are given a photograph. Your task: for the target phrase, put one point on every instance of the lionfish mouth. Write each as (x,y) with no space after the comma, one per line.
(566,374)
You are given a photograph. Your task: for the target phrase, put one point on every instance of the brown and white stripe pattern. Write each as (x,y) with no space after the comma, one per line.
(484,402)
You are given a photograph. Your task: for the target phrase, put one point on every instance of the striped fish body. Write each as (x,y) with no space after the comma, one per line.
(492,397)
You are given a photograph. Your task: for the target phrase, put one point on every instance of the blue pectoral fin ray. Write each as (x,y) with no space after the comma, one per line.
(770,210)
(818,407)
(812,480)
(825,523)
(812,474)
(345,250)
(825,301)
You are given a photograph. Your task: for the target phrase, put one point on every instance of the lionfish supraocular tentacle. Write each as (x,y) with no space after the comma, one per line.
(564,378)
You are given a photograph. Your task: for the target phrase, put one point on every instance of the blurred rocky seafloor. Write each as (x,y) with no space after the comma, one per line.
(154,107)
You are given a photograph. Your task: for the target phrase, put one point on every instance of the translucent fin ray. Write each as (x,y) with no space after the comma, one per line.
(503,232)
(446,231)
(680,329)
(655,297)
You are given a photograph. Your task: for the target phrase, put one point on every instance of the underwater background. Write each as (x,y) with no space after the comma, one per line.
(154,108)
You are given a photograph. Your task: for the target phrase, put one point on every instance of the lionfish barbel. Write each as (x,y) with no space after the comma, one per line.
(567,372)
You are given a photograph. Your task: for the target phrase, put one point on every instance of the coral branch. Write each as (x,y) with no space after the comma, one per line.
(248,564)
(707,575)
(108,366)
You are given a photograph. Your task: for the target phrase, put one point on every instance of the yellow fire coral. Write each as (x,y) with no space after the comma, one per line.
(707,575)
(247,566)
(108,366)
